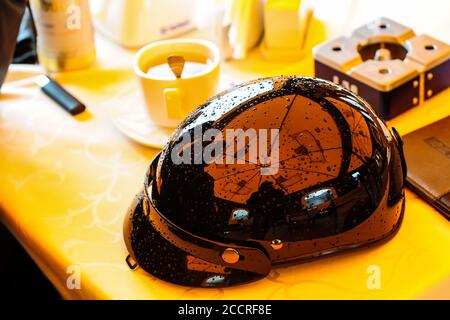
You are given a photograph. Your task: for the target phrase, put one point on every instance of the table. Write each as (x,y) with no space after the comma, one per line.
(65,185)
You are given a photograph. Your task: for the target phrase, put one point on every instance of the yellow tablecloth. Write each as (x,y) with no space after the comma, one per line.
(65,184)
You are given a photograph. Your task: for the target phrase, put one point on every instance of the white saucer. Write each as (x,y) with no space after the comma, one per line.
(135,123)
(130,116)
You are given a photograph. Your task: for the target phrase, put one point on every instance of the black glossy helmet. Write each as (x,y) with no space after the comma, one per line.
(335,183)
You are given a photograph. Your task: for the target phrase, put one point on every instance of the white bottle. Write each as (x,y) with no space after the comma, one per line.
(65,39)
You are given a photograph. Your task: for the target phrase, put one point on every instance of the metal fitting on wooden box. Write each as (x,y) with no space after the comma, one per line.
(387,64)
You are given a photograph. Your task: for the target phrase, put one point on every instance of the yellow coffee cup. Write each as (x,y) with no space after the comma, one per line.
(170,99)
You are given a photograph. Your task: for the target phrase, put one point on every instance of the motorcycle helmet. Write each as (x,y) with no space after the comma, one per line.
(327,177)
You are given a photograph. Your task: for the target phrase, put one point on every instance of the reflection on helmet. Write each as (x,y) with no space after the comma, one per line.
(338,185)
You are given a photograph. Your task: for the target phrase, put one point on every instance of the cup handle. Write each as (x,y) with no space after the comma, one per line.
(173,98)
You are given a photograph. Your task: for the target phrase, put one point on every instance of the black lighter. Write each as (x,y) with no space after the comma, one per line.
(58,94)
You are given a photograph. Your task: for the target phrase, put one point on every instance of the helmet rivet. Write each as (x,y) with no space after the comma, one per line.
(276,244)
(230,255)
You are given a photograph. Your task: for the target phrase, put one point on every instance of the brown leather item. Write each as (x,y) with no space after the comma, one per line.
(427,153)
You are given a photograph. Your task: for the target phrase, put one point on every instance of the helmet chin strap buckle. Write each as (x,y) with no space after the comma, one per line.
(132,264)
